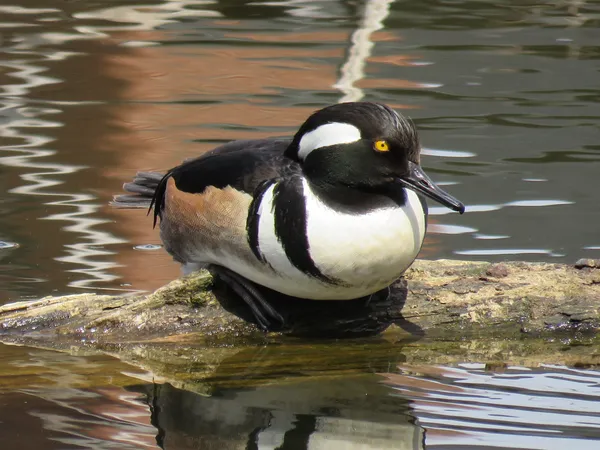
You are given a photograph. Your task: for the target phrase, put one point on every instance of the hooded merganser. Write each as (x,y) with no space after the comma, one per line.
(336,213)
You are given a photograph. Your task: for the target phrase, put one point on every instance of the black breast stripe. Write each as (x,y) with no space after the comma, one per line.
(290,226)
(252,223)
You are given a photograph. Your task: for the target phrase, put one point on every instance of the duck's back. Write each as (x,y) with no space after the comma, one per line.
(242,165)
(203,204)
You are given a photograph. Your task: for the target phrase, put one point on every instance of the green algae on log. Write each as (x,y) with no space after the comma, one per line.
(443,297)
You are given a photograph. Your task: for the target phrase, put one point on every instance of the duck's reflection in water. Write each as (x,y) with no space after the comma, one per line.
(306,415)
(276,406)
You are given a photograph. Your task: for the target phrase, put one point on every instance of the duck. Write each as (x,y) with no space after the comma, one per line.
(336,212)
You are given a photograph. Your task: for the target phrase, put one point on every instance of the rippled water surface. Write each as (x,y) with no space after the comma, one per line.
(290,398)
(506,96)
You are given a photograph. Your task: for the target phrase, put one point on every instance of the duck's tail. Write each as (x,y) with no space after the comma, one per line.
(141,191)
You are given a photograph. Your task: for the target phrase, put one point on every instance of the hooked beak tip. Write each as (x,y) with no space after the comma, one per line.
(418,181)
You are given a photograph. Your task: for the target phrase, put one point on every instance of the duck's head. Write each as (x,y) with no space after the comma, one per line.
(364,146)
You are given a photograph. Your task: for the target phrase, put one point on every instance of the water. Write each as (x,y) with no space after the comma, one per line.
(376,396)
(505,95)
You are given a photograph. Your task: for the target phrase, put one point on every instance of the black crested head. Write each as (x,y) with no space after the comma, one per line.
(365,147)
(356,145)
(344,122)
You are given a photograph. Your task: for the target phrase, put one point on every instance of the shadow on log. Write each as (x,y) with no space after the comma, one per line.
(324,318)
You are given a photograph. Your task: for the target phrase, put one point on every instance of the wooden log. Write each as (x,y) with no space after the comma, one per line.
(443,298)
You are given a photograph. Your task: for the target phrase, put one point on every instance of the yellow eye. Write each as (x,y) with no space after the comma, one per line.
(381,146)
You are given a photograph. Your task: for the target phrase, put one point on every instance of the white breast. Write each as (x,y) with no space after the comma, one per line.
(370,249)
(366,252)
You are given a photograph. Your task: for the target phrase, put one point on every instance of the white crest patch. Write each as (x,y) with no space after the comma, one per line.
(329,134)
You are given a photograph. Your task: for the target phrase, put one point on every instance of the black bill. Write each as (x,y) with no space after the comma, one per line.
(418,181)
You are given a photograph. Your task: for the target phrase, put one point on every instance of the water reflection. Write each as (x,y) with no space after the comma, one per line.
(544,408)
(405,406)
(42,180)
(368,394)
(55,401)
(307,415)
(294,396)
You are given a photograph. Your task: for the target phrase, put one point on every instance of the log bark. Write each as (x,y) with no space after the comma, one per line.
(511,313)
(443,297)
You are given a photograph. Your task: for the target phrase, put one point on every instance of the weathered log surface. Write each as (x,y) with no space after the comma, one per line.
(444,297)
(506,314)
(534,297)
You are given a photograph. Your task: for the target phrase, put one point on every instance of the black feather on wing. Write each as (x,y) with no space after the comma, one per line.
(243,165)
